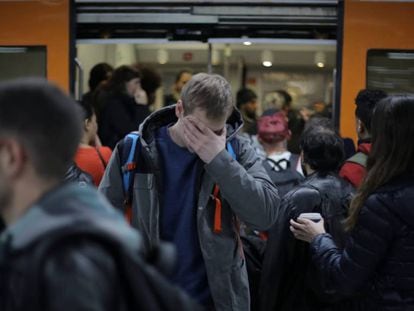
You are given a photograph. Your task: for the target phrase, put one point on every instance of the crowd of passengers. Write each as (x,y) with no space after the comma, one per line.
(262,213)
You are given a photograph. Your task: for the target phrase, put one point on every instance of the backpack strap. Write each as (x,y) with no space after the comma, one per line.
(216,190)
(359,158)
(128,166)
(294,159)
(276,164)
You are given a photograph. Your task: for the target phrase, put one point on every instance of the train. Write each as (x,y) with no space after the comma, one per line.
(373,42)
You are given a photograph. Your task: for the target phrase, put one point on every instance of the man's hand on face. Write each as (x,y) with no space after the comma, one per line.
(202,140)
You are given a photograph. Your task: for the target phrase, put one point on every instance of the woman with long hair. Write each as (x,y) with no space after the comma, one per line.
(377,262)
(121,105)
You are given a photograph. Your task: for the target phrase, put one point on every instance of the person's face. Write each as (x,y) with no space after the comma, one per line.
(185,77)
(132,86)
(91,126)
(215,125)
(250,108)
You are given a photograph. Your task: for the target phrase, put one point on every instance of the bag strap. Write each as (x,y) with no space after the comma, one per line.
(128,166)
(101,158)
(216,190)
(276,164)
(294,159)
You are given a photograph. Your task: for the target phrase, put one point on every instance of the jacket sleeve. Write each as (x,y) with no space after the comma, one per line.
(245,185)
(82,276)
(111,183)
(349,270)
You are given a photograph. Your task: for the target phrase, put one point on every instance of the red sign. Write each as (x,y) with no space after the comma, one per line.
(187,56)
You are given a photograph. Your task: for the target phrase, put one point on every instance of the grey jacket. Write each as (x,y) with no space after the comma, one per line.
(247,194)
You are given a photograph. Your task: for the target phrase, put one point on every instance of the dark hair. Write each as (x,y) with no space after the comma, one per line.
(323,149)
(210,92)
(365,102)
(317,121)
(150,81)
(244,96)
(181,72)
(120,77)
(287,98)
(87,109)
(391,155)
(44,120)
(98,73)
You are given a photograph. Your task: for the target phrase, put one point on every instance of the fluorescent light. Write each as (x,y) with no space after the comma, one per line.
(13,49)
(395,55)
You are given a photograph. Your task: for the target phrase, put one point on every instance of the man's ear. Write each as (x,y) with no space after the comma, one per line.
(179,109)
(13,158)
(361,128)
(86,124)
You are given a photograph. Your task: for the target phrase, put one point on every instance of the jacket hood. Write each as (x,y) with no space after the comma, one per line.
(70,209)
(399,197)
(364,148)
(166,116)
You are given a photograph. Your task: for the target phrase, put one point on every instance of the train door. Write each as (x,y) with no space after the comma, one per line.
(35,40)
(377,52)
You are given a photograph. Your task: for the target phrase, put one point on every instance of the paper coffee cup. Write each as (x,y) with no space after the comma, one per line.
(315,217)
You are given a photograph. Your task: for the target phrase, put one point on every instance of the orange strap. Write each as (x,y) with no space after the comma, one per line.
(128,213)
(217,212)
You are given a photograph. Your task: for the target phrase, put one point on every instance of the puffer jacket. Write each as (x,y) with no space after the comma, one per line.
(379,256)
(246,192)
(288,280)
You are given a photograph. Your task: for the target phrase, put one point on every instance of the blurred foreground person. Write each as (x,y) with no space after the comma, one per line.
(378,259)
(64,246)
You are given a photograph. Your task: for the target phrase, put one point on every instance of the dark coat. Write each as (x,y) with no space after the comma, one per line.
(288,281)
(78,275)
(379,256)
(118,115)
(75,174)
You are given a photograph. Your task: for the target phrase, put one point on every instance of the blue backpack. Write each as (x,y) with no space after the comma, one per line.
(130,152)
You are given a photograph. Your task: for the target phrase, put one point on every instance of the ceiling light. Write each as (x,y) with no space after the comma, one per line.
(247,43)
(162,56)
(320,59)
(267,58)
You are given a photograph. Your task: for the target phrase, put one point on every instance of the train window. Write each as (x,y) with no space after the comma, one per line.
(22,61)
(391,70)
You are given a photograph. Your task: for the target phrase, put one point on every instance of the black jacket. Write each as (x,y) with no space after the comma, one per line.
(379,256)
(118,115)
(77,275)
(73,251)
(75,174)
(288,281)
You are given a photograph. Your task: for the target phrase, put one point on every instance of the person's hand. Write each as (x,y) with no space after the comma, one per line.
(305,229)
(305,113)
(141,97)
(97,141)
(202,140)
